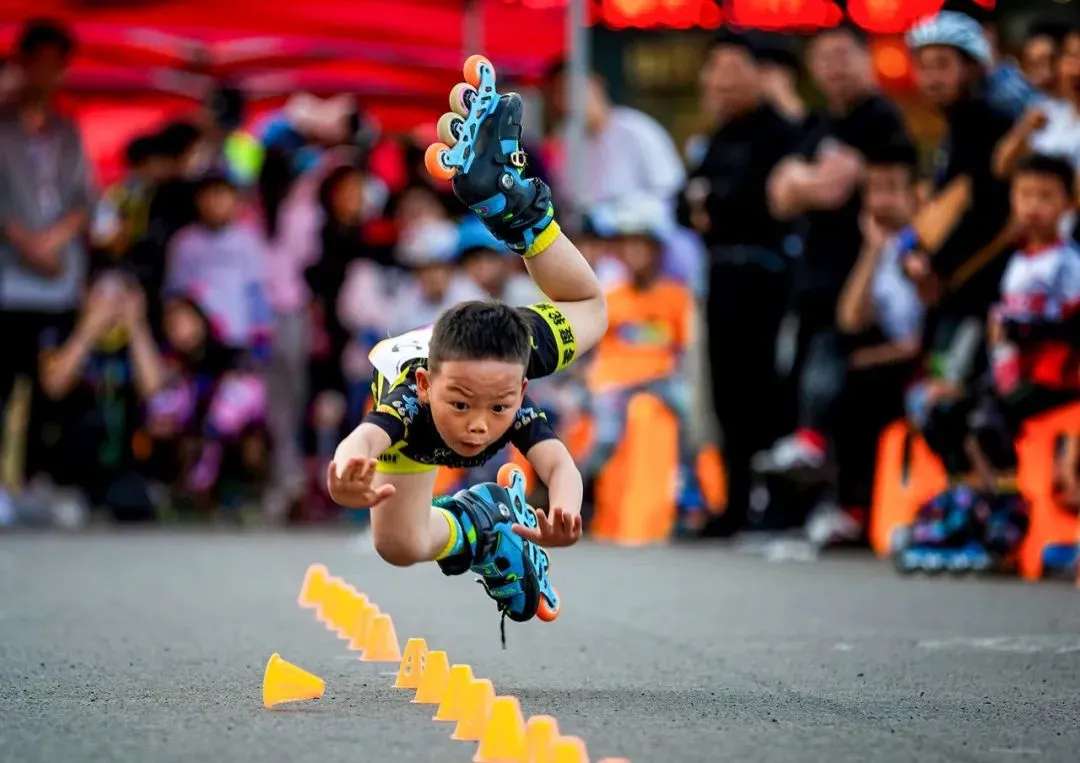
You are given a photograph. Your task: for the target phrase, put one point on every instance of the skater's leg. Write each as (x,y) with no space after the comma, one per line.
(406,528)
(563,274)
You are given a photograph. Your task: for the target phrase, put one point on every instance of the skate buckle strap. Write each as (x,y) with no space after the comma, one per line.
(502,617)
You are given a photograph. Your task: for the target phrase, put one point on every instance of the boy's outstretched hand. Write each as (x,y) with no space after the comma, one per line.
(353,484)
(554,529)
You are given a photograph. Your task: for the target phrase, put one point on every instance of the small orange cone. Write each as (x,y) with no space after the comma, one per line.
(570,750)
(363,627)
(285,682)
(503,740)
(313,588)
(477,709)
(457,690)
(434,680)
(412,664)
(382,641)
(352,612)
(540,734)
(333,601)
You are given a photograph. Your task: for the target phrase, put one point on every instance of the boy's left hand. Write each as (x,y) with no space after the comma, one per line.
(554,529)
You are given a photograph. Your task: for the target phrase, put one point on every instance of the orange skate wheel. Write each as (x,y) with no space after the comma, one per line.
(433,163)
(449,128)
(505,477)
(461,98)
(471,69)
(545,612)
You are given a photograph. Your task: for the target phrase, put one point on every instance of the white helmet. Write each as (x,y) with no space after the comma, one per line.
(955,30)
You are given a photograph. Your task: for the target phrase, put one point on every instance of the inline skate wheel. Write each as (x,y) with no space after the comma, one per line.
(433,161)
(462,97)
(449,128)
(472,67)
(545,611)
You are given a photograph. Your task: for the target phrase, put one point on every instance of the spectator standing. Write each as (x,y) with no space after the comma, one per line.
(725,201)
(819,186)
(628,153)
(45,203)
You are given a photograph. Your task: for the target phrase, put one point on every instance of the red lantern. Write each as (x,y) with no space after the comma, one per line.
(672,14)
(891,16)
(776,15)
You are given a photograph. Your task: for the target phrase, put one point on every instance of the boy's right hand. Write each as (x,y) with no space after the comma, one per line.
(352,485)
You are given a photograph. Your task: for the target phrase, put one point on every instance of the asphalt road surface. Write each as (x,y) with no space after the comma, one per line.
(150,647)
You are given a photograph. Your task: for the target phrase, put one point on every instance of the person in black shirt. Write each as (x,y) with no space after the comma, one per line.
(819,186)
(725,201)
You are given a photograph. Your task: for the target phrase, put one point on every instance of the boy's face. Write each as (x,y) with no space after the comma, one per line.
(1069,66)
(348,199)
(473,402)
(218,205)
(185,330)
(889,195)
(1038,202)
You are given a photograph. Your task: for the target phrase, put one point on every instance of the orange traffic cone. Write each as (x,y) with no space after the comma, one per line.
(412,664)
(313,588)
(363,627)
(334,601)
(285,682)
(382,642)
(434,680)
(540,734)
(503,741)
(353,614)
(570,750)
(456,697)
(477,709)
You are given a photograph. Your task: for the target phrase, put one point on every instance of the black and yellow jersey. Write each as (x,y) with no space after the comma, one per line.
(417,446)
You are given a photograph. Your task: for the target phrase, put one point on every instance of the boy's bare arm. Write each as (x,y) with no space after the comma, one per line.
(351,474)
(561,524)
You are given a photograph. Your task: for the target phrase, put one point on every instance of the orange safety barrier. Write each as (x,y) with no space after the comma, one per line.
(712,476)
(1051,523)
(635,494)
(907,474)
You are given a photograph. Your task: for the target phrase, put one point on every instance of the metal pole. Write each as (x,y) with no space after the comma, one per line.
(576,80)
(472,35)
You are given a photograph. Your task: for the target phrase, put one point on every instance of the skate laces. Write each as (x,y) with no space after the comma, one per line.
(503,608)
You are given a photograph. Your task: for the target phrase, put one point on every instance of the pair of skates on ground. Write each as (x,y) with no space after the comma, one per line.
(481,153)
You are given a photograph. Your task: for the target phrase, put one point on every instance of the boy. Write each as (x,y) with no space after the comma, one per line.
(453,395)
(651,319)
(1032,343)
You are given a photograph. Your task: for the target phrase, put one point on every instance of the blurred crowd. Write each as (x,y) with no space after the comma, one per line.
(197,335)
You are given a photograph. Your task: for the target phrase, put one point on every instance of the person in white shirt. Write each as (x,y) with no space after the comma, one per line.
(627,151)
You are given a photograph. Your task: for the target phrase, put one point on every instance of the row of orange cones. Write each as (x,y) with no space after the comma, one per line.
(494,722)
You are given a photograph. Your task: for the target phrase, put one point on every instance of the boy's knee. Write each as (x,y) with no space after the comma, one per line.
(398,550)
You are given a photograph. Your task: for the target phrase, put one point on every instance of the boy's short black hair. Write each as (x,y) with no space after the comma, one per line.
(748,41)
(895,153)
(1049,166)
(44,33)
(480,330)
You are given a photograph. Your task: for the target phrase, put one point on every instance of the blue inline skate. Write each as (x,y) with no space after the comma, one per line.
(481,154)
(513,571)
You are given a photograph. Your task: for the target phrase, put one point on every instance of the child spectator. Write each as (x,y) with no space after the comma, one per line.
(98,376)
(221,250)
(341,198)
(493,267)
(430,249)
(650,319)
(122,215)
(1033,337)
(212,406)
